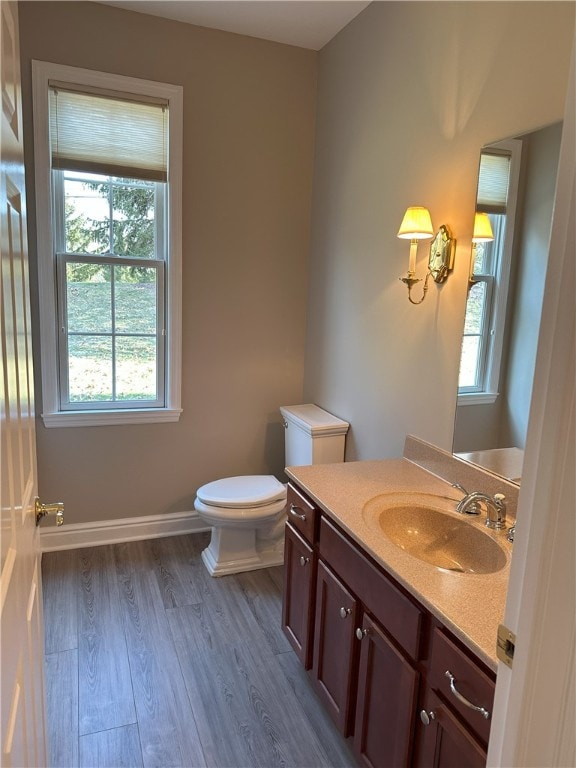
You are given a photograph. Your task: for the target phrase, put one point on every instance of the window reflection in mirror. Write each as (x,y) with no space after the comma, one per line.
(504,307)
(482,345)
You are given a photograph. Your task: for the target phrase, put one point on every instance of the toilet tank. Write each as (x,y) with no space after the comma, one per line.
(312,435)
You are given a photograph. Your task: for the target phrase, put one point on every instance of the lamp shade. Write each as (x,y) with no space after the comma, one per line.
(482,229)
(416,224)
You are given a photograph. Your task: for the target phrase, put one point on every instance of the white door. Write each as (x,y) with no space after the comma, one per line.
(21,628)
(535,704)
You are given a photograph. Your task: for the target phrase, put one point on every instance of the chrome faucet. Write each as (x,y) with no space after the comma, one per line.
(495,507)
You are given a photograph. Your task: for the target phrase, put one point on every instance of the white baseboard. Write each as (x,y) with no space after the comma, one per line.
(94,534)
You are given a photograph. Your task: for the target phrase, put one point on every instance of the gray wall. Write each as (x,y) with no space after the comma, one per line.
(249,108)
(543,148)
(407,95)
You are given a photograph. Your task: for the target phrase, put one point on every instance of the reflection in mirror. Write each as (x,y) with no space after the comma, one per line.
(516,189)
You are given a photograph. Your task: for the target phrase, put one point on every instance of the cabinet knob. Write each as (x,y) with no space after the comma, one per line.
(361,633)
(292,509)
(345,612)
(304,560)
(427,717)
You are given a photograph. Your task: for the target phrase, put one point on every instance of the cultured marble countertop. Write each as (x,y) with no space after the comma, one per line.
(471,605)
(506,462)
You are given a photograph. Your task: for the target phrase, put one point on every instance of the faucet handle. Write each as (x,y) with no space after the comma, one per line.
(460,488)
(498,520)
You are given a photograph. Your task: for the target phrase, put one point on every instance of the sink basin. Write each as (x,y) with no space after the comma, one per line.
(423,526)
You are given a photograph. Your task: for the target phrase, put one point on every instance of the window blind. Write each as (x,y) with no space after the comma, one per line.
(493,179)
(108,134)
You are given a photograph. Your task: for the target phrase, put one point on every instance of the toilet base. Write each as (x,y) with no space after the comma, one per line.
(235,551)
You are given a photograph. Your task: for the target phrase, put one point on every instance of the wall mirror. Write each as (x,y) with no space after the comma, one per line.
(516,188)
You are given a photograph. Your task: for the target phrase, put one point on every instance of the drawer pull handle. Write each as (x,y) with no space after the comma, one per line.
(462,699)
(361,633)
(293,511)
(427,717)
(345,612)
(304,560)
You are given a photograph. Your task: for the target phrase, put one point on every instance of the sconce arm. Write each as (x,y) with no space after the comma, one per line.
(410,281)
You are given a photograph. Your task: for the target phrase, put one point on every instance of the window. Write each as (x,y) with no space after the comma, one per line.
(483,339)
(487,257)
(110,270)
(108,188)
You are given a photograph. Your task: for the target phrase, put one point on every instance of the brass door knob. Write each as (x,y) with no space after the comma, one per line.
(56,508)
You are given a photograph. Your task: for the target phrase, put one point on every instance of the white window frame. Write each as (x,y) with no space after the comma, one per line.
(52,413)
(496,322)
(62,258)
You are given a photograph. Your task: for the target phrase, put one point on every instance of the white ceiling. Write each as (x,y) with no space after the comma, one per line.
(304,23)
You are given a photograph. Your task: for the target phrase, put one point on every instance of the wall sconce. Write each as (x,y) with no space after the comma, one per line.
(482,234)
(417,225)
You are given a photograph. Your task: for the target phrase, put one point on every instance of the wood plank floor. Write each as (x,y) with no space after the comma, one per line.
(151,662)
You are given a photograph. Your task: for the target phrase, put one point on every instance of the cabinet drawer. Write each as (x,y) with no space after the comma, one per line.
(402,618)
(470,681)
(302,514)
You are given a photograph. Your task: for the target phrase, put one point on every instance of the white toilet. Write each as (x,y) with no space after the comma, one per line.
(247,513)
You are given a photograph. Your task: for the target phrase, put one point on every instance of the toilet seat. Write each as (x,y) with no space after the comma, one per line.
(247,492)
(240,517)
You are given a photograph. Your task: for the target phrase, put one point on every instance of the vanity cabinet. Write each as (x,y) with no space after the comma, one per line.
(377,659)
(445,742)
(334,655)
(299,575)
(366,684)
(456,707)
(385,700)
(367,639)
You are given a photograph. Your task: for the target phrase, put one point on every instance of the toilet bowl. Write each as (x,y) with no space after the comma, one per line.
(247,514)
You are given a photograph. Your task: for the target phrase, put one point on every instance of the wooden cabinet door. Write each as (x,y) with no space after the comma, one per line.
(445,742)
(385,703)
(334,646)
(298,600)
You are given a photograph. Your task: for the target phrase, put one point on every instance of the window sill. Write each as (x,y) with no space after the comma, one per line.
(477,398)
(111,418)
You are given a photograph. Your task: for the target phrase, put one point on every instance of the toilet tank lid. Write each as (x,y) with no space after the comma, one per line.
(314,420)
